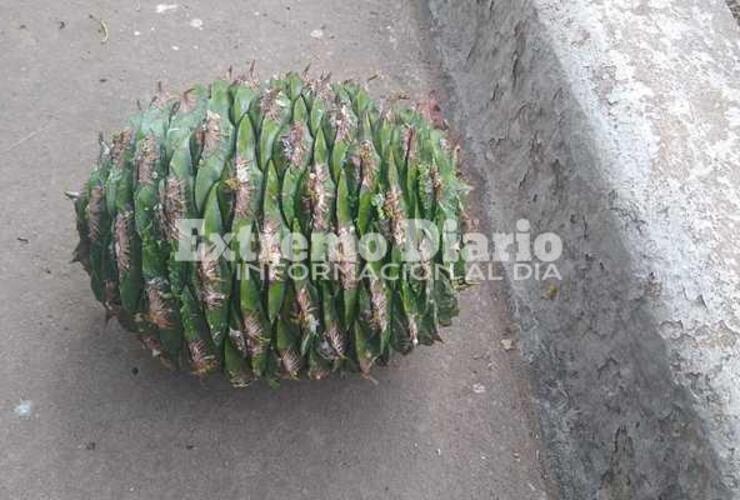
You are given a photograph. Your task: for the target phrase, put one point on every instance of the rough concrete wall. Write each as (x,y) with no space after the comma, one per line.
(734,8)
(616,125)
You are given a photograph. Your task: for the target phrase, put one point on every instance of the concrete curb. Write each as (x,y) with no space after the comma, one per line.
(616,125)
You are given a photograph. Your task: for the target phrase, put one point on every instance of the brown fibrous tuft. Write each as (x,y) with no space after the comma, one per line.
(344,122)
(147,157)
(210,280)
(121,143)
(294,145)
(248,79)
(202,359)
(319,197)
(319,87)
(270,253)
(379,304)
(306,310)
(272,104)
(292,362)
(345,258)
(369,163)
(174,206)
(161,311)
(244,189)
(337,340)
(238,339)
(254,335)
(210,132)
(394,212)
(124,228)
(95,211)
(409,144)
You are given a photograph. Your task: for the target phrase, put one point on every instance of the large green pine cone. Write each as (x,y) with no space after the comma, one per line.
(292,155)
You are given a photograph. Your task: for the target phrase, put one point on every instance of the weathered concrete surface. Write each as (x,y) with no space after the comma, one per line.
(616,125)
(734,6)
(421,433)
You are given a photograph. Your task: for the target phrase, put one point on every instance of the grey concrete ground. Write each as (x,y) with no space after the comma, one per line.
(85,413)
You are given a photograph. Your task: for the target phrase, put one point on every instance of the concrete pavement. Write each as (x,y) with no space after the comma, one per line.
(86,413)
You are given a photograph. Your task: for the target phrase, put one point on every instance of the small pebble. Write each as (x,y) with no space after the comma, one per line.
(196,23)
(162,7)
(317,34)
(24,409)
(479,388)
